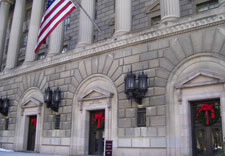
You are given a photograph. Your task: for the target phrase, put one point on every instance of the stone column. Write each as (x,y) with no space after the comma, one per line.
(222,2)
(170,10)
(4,14)
(15,35)
(86,26)
(123,17)
(36,15)
(56,40)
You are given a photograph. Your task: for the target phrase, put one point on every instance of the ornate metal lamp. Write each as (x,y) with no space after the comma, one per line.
(48,97)
(130,84)
(52,99)
(56,99)
(136,88)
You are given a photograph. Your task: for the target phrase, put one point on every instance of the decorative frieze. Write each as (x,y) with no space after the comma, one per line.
(121,42)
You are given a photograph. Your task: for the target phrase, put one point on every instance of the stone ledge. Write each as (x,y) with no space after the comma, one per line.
(182,25)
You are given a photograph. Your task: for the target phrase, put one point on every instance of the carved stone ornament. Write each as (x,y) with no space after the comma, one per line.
(31,103)
(96,94)
(198,79)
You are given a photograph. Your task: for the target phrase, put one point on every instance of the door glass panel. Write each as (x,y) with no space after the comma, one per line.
(201,141)
(96,134)
(216,140)
(31,133)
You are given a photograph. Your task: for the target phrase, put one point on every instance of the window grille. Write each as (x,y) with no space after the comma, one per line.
(7,124)
(141,117)
(57,121)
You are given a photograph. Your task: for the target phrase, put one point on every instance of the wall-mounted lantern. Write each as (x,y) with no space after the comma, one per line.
(136,88)
(52,99)
(4,106)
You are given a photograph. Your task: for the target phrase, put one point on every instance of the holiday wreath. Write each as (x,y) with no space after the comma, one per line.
(208,114)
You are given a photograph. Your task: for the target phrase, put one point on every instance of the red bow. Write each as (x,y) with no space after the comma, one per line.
(34,121)
(206,108)
(99,118)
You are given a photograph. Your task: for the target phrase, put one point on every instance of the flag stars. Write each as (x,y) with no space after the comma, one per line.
(50,3)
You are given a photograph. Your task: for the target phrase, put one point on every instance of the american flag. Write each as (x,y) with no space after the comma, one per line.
(56,12)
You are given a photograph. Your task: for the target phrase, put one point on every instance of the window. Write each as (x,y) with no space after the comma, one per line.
(28,15)
(57,121)
(67,24)
(206,5)
(141,117)
(155,20)
(41,56)
(65,49)
(25,38)
(154,14)
(7,124)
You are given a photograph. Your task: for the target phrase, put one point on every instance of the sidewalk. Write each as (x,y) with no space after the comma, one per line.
(24,154)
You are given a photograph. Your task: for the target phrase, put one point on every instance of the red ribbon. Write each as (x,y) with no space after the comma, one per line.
(207,108)
(34,122)
(99,118)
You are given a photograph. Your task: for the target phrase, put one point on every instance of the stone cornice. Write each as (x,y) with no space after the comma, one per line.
(183,25)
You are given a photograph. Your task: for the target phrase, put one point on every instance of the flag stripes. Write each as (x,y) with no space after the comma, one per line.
(54,14)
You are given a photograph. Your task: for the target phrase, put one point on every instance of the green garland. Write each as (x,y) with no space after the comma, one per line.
(202,117)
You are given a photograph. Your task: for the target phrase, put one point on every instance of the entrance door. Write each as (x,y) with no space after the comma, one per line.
(96,134)
(31,133)
(206,128)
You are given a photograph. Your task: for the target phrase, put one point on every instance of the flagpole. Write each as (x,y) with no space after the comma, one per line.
(88,16)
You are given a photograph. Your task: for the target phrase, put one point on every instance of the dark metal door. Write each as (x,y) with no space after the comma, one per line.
(31,133)
(96,135)
(206,138)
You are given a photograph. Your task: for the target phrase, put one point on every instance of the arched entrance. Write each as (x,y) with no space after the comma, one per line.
(30,119)
(196,81)
(95,99)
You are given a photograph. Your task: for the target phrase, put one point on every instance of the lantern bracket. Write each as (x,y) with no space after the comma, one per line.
(136,88)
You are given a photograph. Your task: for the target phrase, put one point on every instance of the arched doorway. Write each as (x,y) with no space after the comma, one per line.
(95,97)
(199,79)
(30,118)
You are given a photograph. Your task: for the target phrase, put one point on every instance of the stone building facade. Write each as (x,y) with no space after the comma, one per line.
(179,44)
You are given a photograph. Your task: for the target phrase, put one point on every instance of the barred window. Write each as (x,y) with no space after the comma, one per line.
(57,121)
(141,117)
(7,124)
